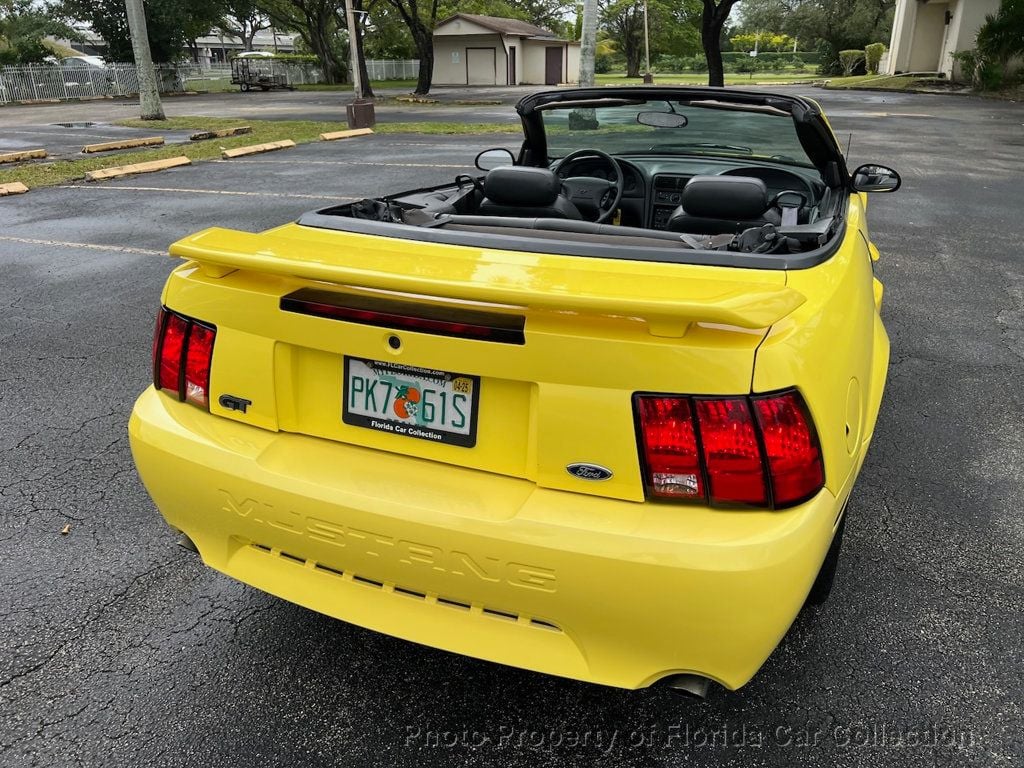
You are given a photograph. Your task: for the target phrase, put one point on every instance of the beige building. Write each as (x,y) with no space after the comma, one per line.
(926,33)
(487,50)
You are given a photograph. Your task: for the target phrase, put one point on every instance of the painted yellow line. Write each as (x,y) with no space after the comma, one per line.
(25,154)
(85,246)
(129,170)
(13,188)
(183,190)
(107,146)
(257,148)
(220,133)
(335,135)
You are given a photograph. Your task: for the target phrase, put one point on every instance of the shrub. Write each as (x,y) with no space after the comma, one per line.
(603,63)
(849,59)
(797,63)
(873,56)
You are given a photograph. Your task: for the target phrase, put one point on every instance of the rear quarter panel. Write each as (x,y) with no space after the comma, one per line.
(835,350)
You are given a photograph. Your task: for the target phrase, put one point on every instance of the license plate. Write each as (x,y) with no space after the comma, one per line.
(439,406)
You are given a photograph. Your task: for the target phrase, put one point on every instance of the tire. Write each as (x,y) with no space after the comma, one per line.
(822,586)
(244,87)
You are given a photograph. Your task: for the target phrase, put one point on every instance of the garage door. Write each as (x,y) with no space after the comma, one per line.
(480,66)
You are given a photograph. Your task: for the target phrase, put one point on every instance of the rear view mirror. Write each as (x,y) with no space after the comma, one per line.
(490,159)
(662,119)
(876,178)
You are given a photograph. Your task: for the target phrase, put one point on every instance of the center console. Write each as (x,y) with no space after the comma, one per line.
(668,193)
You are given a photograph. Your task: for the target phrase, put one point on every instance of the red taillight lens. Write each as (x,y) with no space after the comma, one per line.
(670,448)
(172,344)
(183,341)
(791,445)
(197,365)
(732,453)
(760,451)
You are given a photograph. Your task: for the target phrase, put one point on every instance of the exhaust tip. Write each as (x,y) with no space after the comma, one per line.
(691,686)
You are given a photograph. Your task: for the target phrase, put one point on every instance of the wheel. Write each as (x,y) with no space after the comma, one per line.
(244,87)
(822,586)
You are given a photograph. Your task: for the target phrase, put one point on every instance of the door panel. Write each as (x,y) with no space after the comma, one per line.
(480,66)
(552,65)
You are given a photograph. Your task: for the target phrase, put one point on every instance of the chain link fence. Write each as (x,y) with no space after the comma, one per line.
(399,69)
(35,82)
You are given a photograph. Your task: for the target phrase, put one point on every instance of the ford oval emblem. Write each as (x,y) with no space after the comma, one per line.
(585,471)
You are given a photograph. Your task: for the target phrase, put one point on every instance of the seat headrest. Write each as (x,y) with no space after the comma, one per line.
(725,197)
(520,185)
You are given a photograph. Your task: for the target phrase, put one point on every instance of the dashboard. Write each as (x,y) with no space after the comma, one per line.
(653,186)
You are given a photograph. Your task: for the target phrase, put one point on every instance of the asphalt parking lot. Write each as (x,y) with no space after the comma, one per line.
(122,649)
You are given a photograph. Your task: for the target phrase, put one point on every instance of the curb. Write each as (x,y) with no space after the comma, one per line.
(149,141)
(128,170)
(27,154)
(255,149)
(13,188)
(221,133)
(335,135)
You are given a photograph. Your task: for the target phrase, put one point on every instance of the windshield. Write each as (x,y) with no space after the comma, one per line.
(715,128)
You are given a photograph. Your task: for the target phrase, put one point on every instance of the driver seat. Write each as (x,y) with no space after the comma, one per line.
(521,191)
(718,205)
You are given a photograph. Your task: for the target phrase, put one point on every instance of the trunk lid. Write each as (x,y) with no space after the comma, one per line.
(307,318)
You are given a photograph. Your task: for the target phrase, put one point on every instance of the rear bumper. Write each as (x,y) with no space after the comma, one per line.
(612,592)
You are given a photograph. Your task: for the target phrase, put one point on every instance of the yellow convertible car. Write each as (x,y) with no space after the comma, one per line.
(595,411)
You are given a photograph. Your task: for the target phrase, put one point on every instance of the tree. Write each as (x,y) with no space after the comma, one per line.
(24,25)
(319,25)
(171,24)
(829,25)
(711,24)
(420,16)
(624,22)
(243,19)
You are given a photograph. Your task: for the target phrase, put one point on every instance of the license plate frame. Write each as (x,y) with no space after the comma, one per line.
(390,423)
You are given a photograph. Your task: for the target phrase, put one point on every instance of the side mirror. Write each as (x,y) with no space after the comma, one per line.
(490,159)
(876,178)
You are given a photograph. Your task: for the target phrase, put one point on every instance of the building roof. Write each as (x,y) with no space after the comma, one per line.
(502,26)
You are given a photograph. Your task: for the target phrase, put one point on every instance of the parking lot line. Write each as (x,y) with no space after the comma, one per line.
(86,246)
(181,190)
(349,162)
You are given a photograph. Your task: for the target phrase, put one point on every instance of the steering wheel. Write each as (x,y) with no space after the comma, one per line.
(596,198)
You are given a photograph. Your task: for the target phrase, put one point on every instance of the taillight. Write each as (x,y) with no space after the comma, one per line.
(182,353)
(761,451)
(791,446)
(732,454)
(670,448)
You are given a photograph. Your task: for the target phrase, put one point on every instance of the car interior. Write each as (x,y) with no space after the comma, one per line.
(643,186)
(698,203)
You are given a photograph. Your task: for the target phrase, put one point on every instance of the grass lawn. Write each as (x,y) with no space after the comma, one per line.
(701,78)
(410,84)
(883,81)
(41,174)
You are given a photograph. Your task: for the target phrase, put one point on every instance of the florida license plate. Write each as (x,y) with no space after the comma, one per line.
(439,406)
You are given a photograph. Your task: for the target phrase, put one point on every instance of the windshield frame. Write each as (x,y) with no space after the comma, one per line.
(813,132)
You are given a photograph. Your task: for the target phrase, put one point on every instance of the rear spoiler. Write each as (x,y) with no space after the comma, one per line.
(668,297)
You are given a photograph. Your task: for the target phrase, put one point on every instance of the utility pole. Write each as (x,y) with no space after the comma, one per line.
(360,112)
(588,43)
(648,77)
(149,94)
